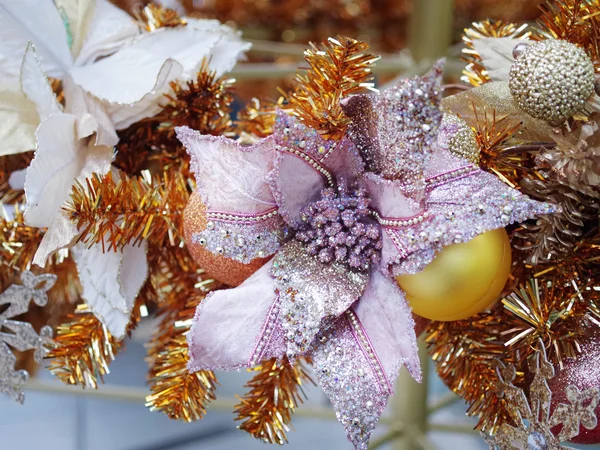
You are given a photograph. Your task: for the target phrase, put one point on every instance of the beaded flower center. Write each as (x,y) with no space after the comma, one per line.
(337,228)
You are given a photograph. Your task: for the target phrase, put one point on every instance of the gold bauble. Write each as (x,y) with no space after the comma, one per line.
(462,280)
(221,268)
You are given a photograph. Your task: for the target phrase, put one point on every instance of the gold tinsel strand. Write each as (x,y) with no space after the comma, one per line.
(175,391)
(256,120)
(83,347)
(492,134)
(83,350)
(275,392)
(475,73)
(548,312)
(154,16)
(179,286)
(129,210)
(465,352)
(575,21)
(203,104)
(338,68)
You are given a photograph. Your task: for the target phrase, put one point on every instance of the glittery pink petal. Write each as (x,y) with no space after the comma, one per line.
(387,320)
(306,164)
(231,178)
(235,328)
(310,292)
(358,358)
(462,202)
(388,201)
(340,157)
(394,129)
(294,184)
(243,222)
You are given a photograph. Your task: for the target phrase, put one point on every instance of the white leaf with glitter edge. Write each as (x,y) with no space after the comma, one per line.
(111,281)
(132,81)
(497,55)
(109,29)
(35,85)
(22,21)
(65,154)
(61,158)
(127,75)
(18,120)
(82,104)
(124,115)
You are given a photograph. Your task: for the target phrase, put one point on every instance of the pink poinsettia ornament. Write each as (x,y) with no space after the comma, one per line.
(340,218)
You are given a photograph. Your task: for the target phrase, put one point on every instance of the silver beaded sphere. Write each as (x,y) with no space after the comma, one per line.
(551,80)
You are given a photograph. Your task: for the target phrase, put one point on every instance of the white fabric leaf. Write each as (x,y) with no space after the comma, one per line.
(132,81)
(18,120)
(80,103)
(111,281)
(226,53)
(61,233)
(123,115)
(78,14)
(126,76)
(36,87)
(38,21)
(496,55)
(109,29)
(60,159)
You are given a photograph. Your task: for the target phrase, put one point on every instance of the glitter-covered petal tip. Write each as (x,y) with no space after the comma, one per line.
(359,356)
(311,291)
(235,328)
(394,129)
(462,202)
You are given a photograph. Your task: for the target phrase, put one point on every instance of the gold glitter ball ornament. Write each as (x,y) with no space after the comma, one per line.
(463,143)
(221,268)
(551,80)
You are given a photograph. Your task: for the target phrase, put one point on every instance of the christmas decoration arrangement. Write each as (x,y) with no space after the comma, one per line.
(302,238)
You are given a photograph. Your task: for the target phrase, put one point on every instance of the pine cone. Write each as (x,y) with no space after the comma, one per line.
(552,236)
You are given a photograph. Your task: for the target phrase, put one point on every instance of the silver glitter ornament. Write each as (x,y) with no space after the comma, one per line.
(21,335)
(462,142)
(551,80)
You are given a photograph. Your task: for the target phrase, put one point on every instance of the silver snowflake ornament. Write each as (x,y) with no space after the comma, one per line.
(534,427)
(20,335)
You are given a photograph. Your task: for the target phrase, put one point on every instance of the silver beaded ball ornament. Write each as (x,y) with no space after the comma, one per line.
(551,80)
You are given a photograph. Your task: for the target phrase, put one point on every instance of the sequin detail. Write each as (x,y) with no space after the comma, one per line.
(271,328)
(406,118)
(242,237)
(337,158)
(462,204)
(311,291)
(345,373)
(295,136)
